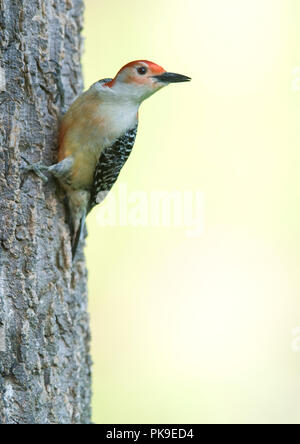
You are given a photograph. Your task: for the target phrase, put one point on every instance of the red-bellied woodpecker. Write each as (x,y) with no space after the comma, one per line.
(97,135)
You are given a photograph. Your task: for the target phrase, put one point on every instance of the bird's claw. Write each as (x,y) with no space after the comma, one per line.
(36,168)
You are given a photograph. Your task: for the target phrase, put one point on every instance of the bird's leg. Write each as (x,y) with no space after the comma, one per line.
(37,168)
(60,171)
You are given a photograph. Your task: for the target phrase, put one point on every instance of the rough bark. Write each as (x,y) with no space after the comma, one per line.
(44,331)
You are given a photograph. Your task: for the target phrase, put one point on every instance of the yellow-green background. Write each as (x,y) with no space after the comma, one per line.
(200,329)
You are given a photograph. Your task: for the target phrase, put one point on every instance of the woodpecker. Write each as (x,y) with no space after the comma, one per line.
(97,135)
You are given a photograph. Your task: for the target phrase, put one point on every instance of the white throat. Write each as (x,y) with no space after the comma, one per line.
(119,108)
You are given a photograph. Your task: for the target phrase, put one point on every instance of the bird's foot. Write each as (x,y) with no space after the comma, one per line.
(36,168)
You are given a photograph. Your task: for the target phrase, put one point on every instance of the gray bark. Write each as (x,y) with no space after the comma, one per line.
(44,328)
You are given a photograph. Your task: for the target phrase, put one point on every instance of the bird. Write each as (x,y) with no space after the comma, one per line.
(96,137)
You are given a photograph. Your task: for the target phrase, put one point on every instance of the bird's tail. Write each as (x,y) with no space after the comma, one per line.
(77,236)
(78,204)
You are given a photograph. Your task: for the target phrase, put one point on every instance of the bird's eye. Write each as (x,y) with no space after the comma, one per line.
(142,70)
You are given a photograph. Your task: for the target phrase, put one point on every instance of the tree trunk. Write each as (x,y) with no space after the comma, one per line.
(44,329)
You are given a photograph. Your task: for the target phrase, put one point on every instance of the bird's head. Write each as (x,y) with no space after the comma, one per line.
(140,79)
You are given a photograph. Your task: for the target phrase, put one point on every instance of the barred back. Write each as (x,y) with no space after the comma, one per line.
(109,166)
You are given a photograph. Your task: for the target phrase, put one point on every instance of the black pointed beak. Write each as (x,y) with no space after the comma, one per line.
(171,77)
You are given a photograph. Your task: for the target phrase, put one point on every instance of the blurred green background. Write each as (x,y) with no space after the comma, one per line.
(202,329)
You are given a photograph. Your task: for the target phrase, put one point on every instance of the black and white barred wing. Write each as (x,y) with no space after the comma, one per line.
(109,166)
